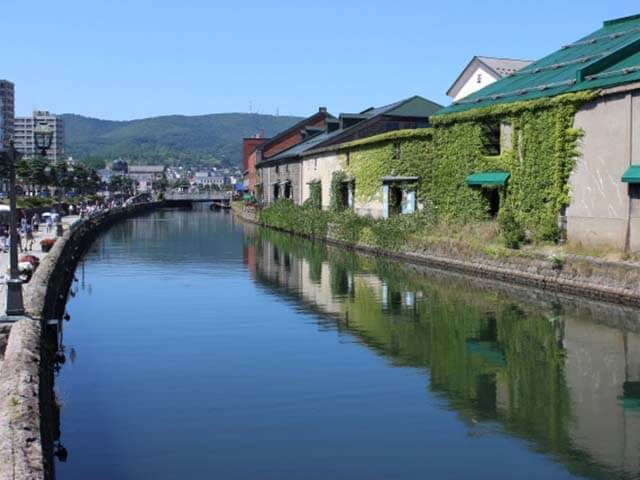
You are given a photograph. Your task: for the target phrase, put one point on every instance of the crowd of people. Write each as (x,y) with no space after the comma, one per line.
(26,230)
(28,227)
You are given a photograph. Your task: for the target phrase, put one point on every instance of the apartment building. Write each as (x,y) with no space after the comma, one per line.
(7,111)
(24,139)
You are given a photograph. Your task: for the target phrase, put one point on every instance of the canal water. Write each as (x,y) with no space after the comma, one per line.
(201,347)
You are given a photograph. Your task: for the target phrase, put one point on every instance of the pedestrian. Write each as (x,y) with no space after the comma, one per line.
(18,241)
(29,237)
(49,223)
(35,222)
(4,233)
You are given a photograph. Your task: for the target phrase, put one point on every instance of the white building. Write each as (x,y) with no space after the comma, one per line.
(145,176)
(24,139)
(481,72)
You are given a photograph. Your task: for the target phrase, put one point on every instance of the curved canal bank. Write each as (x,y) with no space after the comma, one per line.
(204,347)
(28,409)
(615,282)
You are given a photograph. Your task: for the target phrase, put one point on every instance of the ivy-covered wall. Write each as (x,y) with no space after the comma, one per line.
(540,156)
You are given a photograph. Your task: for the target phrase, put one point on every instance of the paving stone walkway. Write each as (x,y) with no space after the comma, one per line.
(36,251)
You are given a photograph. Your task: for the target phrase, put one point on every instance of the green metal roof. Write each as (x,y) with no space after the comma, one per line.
(608,57)
(632,175)
(488,178)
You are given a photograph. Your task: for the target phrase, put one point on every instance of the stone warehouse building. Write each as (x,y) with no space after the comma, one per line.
(291,172)
(258,150)
(551,151)
(597,78)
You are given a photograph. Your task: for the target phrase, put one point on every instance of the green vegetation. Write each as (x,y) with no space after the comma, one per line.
(188,140)
(337,203)
(539,149)
(305,220)
(38,173)
(120,183)
(315,195)
(392,234)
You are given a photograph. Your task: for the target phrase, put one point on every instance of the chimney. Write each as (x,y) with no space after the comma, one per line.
(322,110)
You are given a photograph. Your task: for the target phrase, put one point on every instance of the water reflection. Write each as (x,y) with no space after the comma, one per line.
(200,347)
(560,373)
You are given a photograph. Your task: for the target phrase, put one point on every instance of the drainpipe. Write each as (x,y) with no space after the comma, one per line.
(627,241)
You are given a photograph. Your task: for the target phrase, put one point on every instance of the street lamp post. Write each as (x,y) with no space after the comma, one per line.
(43,137)
(15,305)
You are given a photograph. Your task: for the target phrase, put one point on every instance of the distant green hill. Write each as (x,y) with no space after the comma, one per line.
(210,139)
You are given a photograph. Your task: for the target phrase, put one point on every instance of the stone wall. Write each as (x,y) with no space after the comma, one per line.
(601,213)
(28,409)
(610,281)
(278,174)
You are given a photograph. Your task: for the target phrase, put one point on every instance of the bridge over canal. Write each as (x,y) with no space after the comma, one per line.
(189,198)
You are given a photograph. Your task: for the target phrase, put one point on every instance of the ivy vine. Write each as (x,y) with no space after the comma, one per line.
(541,158)
(336,201)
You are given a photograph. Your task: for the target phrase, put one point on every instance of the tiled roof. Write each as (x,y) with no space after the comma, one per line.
(302,147)
(415,106)
(606,58)
(298,126)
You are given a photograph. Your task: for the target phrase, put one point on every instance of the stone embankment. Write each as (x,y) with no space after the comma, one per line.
(610,281)
(28,409)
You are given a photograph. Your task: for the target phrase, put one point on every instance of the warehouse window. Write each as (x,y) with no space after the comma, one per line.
(490,131)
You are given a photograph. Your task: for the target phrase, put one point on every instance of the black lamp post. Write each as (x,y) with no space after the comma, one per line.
(43,137)
(15,306)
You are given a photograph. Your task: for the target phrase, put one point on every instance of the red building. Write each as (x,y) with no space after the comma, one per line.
(256,149)
(249,154)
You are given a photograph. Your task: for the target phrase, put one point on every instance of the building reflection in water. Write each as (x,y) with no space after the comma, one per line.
(561,373)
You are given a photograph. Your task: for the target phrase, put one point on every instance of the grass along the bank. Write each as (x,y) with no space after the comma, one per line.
(398,233)
(416,233)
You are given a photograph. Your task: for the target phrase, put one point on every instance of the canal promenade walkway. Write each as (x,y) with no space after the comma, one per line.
(36,251)
(28,408)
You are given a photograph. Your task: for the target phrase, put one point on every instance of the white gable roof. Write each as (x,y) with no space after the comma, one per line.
(496,67)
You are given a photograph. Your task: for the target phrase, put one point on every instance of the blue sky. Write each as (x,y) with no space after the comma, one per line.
(132,59)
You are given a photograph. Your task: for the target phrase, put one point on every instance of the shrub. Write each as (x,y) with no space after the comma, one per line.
(315,195)
(303,220)
(512,232)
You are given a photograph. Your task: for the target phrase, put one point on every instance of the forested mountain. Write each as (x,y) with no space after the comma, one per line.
(207,139)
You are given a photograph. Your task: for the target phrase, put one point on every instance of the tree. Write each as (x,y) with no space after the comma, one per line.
(120,183)
(161,185)
(40,171)
(94,162)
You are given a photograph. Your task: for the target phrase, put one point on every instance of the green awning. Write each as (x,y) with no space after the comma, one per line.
(632,175)
(488,178)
